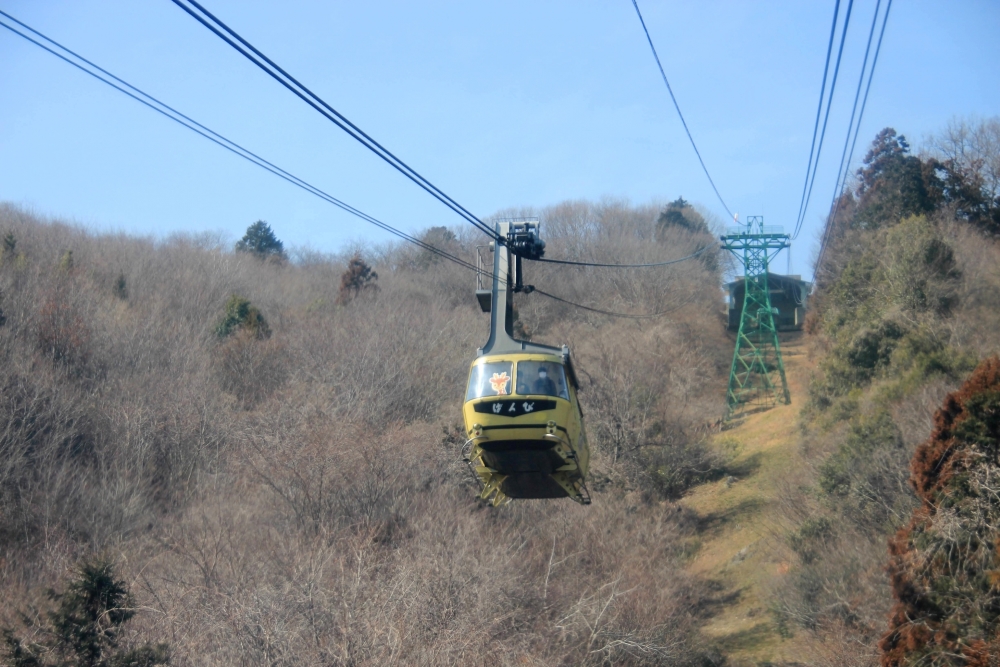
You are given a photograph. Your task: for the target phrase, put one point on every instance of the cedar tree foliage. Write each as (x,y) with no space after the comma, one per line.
(945,566)
(893,184)
(242,315)
(85,628)
(680,213)
(261,242)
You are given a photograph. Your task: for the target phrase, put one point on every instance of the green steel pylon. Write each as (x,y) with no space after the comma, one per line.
(757,358)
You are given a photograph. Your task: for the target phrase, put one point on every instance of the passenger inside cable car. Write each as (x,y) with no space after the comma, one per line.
(534,378)
(523,443)
(521,412)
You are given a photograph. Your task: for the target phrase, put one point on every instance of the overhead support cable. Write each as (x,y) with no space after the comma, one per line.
(628,266)
(193,125)
(678,108)
(819,112)
(122,86)
(846,165)
(609,313)
(857,96)
(826,118)
(249,51)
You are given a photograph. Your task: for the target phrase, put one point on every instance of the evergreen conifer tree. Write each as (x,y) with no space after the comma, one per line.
(261,241)
(84,630)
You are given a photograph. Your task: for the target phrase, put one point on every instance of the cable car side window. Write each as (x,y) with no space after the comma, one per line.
(544,378)
(492,379)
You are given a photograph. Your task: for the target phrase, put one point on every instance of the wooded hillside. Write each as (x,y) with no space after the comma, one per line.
(265,446)
(907,305)
(241,453)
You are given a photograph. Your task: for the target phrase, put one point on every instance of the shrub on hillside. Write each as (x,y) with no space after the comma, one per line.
(357,279)
(62,335)
(633,419)
(249,368)
(121,287)
(944,565)
(241,315)
(811,539)
(865,477)
(441,238)
(86,627)
(247,364)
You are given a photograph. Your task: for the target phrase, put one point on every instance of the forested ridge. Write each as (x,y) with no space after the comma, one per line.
(906,307)
(263,445)
(244,453)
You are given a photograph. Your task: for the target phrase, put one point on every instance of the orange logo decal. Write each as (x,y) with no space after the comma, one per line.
(499,383)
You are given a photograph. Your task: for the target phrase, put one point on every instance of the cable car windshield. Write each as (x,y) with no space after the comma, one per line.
(541,377)
(493,379)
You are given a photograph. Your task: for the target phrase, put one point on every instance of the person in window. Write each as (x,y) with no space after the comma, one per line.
(544,384)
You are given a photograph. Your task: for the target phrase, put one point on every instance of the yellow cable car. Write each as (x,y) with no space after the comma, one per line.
(522,416)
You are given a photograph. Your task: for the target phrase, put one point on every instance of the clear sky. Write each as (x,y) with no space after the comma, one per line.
(515,103)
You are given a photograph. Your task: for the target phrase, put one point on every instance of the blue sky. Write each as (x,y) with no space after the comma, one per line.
(499,104)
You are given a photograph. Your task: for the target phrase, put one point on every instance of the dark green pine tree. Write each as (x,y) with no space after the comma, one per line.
(85,628)
(261,241)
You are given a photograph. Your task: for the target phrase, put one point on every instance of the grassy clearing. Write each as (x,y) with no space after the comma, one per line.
(743,516)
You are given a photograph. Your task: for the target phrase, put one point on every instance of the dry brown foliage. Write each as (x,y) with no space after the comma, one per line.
(290,500)
(944,564)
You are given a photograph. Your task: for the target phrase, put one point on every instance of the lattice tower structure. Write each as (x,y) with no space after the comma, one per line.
(757,367)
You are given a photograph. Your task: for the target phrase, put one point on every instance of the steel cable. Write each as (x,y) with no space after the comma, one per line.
(850,125)
(304,93)
(826,117)
(678,108)
(857,96)
(613,314)
(854,141)
(569,262)
(217,138)
(819,110)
